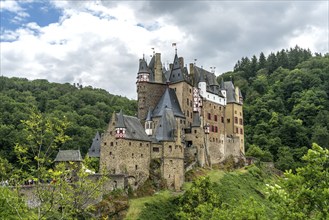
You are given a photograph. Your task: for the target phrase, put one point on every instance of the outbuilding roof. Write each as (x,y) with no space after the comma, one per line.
(68,155)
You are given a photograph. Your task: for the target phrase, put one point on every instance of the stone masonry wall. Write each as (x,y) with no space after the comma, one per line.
(148,96)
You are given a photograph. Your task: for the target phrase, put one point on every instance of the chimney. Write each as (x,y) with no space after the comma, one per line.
(158,68)
(181,62)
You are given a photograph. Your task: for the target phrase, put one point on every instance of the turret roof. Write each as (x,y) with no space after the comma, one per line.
(168,100)
(166,128)
(230,92)
(94,149)
(120,121)
(134,128)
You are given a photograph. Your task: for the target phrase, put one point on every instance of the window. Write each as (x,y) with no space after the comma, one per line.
(129,143)
(215,117)
(111,144)
(222,119)
(140,144)
(235,120)
(170,148)
(216,129)
(142,155)
(110,153)
(228,120)
(241,131)
(136,167)
(241,122)
(156,149)
(188,101)
(209,116)
(237,130)
(132,155)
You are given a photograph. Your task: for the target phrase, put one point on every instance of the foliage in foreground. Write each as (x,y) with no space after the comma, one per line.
(254,194)
(304,195)
(63,191)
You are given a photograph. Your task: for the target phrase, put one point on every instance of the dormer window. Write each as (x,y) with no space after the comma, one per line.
(120,132)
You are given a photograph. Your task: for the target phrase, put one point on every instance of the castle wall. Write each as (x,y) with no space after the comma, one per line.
(234,122)
(156,151)
(214,114)
(173,165)
(124,156)
(232,146)
(148,96)
(198,141)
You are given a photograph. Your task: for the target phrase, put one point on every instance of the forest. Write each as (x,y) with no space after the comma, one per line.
(86,110)
(286,104)
(286,118)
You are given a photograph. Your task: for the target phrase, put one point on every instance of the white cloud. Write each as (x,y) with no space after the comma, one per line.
(100,42)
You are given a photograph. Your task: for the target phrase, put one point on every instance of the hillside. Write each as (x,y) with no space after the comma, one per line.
(86,109)
(286,102)
(253,192)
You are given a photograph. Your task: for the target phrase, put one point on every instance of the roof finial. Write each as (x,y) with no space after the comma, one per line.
(174,45)
(153,51)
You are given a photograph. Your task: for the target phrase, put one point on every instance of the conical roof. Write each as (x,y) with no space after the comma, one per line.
(120,121)
(166,128)
(168,100)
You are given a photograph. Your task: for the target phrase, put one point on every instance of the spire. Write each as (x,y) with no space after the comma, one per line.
(166,126)
(120,122)
(174,45)
(168,100)
(222,84)
(149,115)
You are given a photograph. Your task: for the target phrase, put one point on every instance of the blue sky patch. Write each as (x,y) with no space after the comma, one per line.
(42,13)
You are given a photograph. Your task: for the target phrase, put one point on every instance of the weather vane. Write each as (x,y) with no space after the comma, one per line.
(174,45)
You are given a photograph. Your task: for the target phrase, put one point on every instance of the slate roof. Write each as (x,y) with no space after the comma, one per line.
(178,73)
(230,92)
(151,69)
(149,115)
(120,120)
(201,75)
(94,150)
(166,128)
(168,100)
(134,129)
(68,155)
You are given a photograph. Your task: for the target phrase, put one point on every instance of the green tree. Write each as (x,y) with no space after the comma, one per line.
(304,195)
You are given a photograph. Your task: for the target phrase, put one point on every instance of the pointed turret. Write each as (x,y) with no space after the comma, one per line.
(166,127)
(120,127)
(168,100)
(94,149)
(143,74)
(149,123)
(176,74)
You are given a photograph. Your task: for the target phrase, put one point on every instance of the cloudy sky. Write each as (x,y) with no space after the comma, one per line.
(99,43)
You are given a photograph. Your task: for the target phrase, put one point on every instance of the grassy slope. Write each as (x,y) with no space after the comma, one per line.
(234,187)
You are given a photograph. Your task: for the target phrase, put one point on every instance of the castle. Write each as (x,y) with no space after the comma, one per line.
(185,118)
